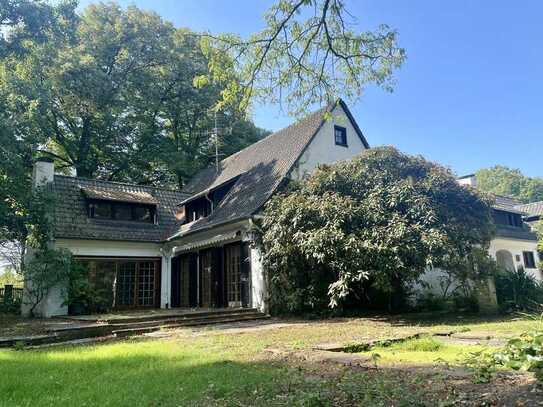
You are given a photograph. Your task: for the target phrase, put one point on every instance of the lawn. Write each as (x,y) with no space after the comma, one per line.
(258,366)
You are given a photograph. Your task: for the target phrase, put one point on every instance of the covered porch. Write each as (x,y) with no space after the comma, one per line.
(219,269)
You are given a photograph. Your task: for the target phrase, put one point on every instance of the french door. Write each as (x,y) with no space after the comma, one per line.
(232,264)
(137,284)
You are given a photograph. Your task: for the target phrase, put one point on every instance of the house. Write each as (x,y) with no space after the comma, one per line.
(152,247)
(533,211)
(515,243)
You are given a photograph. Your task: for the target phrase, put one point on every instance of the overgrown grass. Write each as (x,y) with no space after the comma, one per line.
(214,367)
(425,350)
(173,373)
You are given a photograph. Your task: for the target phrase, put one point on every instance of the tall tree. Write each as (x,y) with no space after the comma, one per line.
(26,22)
(511,182)
(115,97)
(310,52)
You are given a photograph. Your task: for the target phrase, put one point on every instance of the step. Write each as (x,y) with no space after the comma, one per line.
(187,318)
(69,335)
(159,316)
(142,330)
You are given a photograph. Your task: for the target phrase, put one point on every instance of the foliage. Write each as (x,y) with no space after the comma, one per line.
(524,353)
(518,290)
(511,182)
(112,96)
(482,364)
(24,21)
(81,295)
(310,51)
(381,218)
(8,276)
(47,269)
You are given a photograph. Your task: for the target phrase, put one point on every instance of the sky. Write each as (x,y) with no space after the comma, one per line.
(469,95)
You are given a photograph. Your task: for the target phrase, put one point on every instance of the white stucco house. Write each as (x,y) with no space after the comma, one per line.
(515,243)
(152,247)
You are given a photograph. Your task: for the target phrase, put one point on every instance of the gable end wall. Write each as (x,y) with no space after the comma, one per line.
(323,150)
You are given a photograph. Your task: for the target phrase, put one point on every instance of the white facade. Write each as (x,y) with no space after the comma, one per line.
(323,149)
(516,247)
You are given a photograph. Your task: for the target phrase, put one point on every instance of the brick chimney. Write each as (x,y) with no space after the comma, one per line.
(43,172)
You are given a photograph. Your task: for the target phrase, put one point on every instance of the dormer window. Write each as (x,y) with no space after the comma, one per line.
(340,136)
(121,211)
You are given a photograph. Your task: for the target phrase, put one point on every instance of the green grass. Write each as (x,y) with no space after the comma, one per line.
(125,373)
(422,351)
(217,367)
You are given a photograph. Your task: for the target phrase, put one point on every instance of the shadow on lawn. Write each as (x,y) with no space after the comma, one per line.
(134,373)
(166,373)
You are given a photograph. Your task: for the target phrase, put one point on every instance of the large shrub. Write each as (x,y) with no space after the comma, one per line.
(373,223)
(518,291)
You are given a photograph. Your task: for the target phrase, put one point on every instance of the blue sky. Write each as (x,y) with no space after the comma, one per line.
(469,95)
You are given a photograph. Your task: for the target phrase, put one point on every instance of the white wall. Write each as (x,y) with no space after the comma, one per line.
(258,282)
(109,248)
(52,304)
(323,149)
(516,247)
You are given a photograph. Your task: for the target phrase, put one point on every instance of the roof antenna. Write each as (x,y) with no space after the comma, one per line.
(216,130)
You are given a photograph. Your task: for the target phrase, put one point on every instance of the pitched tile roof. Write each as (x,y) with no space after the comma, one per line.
(533,209)
(505,203)
(71,220)
(261,168)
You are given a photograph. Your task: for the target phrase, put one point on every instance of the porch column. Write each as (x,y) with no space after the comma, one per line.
(166,279)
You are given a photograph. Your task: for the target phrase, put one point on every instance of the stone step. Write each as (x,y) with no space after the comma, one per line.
(163,315)
(182,319)
(68,335)
(147,329)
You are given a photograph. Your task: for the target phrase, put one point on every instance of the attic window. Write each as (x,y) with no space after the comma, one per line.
(130,212)
(340,136)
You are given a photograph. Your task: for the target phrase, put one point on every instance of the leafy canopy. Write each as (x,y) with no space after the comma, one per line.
(382,217)
(112,96)
(310,51)
(510,182)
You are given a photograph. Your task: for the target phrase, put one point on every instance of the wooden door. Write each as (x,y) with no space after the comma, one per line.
(206,279)
(232,267)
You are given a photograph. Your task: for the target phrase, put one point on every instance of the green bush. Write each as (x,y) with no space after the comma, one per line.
(518,291)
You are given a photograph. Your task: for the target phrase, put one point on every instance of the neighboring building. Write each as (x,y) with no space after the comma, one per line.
(152,247)
(515,244)
(533,211)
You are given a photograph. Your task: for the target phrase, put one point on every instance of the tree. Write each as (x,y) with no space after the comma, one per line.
(510,182)
(309,52)
(114,97)
(23,22)
(382,218)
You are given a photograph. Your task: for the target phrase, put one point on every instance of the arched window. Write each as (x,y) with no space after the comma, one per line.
(504,258)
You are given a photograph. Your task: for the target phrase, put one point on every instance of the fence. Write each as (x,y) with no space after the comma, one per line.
(10,294)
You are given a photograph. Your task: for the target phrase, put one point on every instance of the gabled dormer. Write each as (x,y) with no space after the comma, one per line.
(204,203)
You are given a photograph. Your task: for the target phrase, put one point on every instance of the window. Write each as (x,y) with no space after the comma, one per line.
(121,211)
(340,136)
(507,218)
(101,210)
(529,260)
